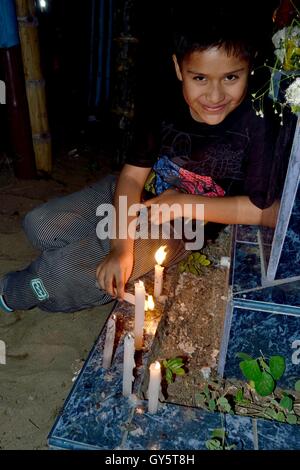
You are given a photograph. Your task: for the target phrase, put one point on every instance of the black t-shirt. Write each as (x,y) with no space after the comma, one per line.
(236,154)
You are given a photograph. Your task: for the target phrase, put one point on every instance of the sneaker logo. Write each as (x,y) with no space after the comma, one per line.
(39,289)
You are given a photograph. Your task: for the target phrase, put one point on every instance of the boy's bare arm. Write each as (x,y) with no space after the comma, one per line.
(113,273)
(224,210)
(130,184)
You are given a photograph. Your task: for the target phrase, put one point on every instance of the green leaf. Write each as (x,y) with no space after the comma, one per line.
(222,401)
(271,413)
(175,362)
(213,444)
(176,366)
(179,371)
(251,370)
(219,433)
(291,419)
(265,385)
(277,366)
(232,446)
(169,376)
(165,364)
(244,356)
(297,386)
(286,403)
(280,417)
(227,408)
(207,392)
(206,262)
(181,268)
(239,395)
(212,405)
(264,365)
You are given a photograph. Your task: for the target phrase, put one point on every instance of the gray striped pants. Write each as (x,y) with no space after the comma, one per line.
(62,278)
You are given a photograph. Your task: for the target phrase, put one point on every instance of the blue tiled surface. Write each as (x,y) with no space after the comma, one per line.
(266,237)
(287,294)
(239,431)
(246,233)
(94,406)
(246,267)
(277,436)
(255,332)
(286,237)
(173,427)
(95,414)
(289,261)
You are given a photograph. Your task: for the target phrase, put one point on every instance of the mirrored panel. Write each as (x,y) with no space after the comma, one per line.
(280,247)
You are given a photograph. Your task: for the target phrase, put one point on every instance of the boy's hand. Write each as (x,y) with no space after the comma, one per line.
(113,273)
(165,207)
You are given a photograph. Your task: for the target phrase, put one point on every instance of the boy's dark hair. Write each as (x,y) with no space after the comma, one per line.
(221,24)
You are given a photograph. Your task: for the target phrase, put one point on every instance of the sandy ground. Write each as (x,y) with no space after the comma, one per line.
(44,351)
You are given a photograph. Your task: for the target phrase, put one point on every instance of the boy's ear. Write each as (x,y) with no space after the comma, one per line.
(177,68)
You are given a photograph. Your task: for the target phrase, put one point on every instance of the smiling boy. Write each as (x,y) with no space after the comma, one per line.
(209,148)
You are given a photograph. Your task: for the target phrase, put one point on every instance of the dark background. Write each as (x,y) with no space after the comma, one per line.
(103,58)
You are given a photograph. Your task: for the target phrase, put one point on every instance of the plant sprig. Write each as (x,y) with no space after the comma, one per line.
(172,368)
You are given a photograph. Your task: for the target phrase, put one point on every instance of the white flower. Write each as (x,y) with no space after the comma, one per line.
(281,38)
(292,93)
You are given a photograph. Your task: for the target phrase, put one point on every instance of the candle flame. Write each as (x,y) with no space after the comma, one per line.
(157,365)
(160,255)
(140,283)
(151,304)
(114,317)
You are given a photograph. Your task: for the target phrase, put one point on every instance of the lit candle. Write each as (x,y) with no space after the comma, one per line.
(154,387)
(158,277)
(151,304)
(139,314)
(130,299)
(109,342)
(128,364)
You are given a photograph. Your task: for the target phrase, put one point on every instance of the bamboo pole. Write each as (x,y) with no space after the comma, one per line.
(17,107)
(35,84)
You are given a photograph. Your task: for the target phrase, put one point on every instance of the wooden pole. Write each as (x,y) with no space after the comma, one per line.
(16,102)
(35,84)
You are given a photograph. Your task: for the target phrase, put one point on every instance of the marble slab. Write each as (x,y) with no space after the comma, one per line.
(284,257)
(277,436)
(289,260)
(258,332)
(246,233)
(95,413)
(172,427)
(246,267)
(282,298)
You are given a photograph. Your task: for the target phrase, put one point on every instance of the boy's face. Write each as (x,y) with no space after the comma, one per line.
(213,83)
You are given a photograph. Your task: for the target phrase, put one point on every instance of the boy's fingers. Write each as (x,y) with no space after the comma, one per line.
(120,285)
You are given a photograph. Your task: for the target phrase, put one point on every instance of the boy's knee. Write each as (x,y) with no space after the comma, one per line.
(33,225)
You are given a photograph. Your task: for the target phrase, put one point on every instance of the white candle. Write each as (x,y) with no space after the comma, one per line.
(158,275)
(139,314)
(131,300)
(128,364)
(109,342)
(154,387)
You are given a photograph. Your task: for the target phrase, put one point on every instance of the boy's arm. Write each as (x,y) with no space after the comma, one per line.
(224,210)
(113,273)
